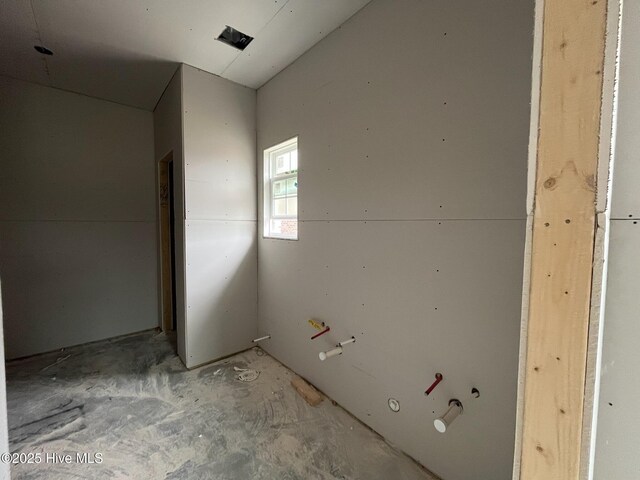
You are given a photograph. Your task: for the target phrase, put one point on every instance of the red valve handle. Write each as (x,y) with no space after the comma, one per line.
(321,333)
(439,378)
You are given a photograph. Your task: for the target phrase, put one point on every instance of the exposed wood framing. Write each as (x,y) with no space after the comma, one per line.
(562,238)
(165,242)
(531,182)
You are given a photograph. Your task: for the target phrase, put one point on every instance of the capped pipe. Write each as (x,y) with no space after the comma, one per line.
(331,353)
(442,423)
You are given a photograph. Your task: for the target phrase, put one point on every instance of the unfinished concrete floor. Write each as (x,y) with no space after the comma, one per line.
(132,400)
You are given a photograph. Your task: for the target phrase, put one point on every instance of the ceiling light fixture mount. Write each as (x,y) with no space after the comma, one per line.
(234,38)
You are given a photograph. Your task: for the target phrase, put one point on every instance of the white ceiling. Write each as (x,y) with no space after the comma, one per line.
(127,50)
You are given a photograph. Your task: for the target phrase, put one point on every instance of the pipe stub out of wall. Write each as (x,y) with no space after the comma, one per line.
(346,342)
(443,422)
(331,353)
(336,351)
(256,340)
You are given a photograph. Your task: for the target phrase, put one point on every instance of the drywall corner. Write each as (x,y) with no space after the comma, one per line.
(219,131)
(168,137)
(78,220)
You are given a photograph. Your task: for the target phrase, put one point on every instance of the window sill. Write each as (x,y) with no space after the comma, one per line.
(272,237)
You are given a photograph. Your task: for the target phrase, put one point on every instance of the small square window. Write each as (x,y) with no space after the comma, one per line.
(281,190)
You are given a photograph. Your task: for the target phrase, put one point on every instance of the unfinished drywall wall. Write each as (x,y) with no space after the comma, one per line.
(617,443)
(412,122)
(220,210)
(168,137)
(77,227)
(209,125)
(5,473)
(625,202)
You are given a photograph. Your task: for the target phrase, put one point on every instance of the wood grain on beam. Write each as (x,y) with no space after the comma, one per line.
(563,237)
(165,243)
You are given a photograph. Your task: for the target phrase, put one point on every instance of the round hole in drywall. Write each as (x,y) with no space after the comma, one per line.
(394,405)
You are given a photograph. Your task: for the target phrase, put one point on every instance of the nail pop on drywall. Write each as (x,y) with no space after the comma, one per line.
(455,409)
(439,378)
(256,340)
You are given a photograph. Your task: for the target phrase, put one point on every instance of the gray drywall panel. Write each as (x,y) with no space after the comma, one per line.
(220,209)
(70,157)
(221,288)
(626,178)
(441,87)
(66,283)
(168,137)
(219,147)
(420,298)
(413,124)
(617,441)
(77,251)
(618,421)
(5,473)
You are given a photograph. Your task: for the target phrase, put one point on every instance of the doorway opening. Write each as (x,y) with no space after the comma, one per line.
(167,242)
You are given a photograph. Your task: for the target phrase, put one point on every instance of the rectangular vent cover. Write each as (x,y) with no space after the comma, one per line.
(235,38)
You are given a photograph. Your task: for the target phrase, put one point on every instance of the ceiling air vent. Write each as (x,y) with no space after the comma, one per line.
(43,50)
(235,38)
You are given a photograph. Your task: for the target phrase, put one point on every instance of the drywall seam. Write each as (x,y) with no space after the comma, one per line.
(606,162)
(75,93)
(345,22)
(178,67)
(256,34)
(522,365)
(71,220)
(536,73)
(431,219)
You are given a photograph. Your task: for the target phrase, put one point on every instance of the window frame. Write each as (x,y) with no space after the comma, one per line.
(269,178)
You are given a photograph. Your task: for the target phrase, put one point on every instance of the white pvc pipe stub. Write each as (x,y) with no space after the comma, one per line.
(256,340)
(346,342)
(443,422)
(331,353)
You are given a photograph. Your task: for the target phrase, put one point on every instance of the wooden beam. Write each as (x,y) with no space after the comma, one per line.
(563,230)
(165,243)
